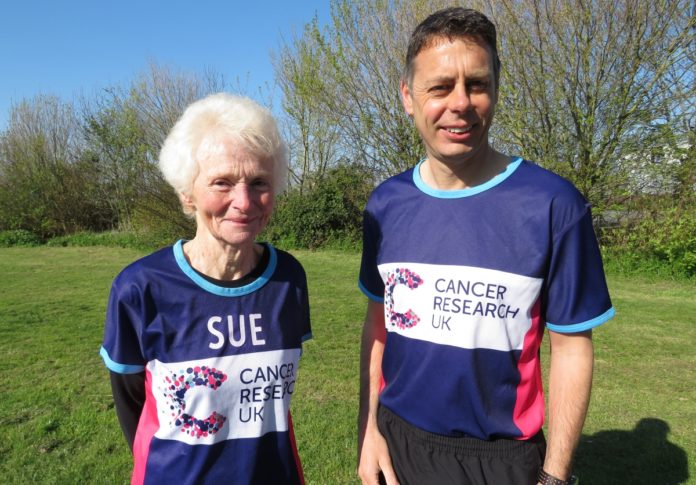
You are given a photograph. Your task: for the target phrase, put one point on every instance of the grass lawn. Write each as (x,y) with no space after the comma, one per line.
(59,426)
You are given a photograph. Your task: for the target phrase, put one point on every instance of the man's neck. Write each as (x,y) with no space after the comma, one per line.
(463,174)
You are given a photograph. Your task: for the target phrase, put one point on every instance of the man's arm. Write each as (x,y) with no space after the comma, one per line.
(570,381)
(373,454)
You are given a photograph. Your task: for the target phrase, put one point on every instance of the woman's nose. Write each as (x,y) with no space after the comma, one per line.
(241,197)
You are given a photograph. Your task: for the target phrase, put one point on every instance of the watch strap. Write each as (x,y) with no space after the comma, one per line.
(547,479)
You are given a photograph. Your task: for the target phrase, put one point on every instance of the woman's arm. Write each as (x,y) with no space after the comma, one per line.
(129,398)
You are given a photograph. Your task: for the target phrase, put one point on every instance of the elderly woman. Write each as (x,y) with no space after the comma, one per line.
(203,338)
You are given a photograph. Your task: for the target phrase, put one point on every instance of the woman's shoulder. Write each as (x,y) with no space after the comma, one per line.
(285,262)
(284,257)
(155,262)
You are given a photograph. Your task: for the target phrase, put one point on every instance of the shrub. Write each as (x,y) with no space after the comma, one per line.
(327,215)
(18,237)
(660,237)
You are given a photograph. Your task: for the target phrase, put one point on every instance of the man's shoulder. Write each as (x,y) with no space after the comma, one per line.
(398,185)
(542,182)
(536,175)
(397,181)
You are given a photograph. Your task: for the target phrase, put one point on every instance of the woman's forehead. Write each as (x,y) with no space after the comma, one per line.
(226,155)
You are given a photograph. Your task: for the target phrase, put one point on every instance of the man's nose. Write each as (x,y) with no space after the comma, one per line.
(460,99)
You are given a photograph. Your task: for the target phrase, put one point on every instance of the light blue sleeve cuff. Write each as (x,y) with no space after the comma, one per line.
(119,368)
(581,327)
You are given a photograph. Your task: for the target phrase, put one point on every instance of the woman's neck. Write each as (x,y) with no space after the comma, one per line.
(219,260)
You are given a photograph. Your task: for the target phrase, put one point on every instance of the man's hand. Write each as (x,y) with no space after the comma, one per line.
(373,453)
(374,458)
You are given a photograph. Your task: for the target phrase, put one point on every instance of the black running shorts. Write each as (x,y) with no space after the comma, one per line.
(423,458)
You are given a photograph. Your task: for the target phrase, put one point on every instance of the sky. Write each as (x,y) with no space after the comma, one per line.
(78,47)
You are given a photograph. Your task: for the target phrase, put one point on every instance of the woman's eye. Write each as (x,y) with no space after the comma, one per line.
(260,184)
(221,184)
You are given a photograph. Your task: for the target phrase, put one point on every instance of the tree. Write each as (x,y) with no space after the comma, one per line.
(47,180)
(584,82)
(115,139)
(346,76)
(587,83)
(125,128)
(313,136)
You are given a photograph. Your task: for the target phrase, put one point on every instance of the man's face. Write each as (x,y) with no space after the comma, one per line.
(451,98)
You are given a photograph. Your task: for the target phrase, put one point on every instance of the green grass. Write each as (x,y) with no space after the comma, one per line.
(59,426)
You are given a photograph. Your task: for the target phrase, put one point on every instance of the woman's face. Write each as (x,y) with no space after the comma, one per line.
(233,193)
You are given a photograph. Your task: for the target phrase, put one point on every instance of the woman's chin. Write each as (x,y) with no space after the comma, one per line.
(239,237)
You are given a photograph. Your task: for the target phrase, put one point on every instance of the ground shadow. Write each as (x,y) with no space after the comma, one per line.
(643,456)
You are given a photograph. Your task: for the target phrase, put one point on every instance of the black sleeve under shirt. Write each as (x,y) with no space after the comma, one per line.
(129,398)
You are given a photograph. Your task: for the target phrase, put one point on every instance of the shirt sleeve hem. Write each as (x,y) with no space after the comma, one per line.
(119,368)
(368,294)
(581,327)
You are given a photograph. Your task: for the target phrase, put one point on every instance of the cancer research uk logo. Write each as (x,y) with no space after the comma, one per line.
(401,276)
(178,384)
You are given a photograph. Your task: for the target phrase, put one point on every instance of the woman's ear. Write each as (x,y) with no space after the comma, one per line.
(187,202)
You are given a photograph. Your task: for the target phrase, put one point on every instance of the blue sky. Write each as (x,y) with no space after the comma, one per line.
(75,47)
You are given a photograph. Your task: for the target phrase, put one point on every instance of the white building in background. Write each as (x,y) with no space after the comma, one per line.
(653,170)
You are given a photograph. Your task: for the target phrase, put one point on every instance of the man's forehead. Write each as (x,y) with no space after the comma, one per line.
(438,40)
(430,52)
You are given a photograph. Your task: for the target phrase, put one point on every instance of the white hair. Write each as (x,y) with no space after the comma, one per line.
(236,117)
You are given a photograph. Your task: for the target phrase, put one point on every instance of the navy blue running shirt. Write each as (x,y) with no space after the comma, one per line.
(469,279)
(220,368)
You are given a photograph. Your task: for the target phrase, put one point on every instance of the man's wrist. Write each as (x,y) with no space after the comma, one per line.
(546,479)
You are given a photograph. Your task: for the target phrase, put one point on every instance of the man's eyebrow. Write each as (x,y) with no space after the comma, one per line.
(479,74)
(474,75)
(439,79)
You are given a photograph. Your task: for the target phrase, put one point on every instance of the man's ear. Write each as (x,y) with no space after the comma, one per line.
(406,97)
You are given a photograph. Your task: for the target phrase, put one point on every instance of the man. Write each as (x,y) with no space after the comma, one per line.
(466,259)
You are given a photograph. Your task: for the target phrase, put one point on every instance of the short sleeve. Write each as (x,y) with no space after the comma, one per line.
(304,306)
(121,348)
(370,282)
(577,297)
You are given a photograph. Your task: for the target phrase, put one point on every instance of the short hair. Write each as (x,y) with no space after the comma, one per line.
(452,23)
(236,117)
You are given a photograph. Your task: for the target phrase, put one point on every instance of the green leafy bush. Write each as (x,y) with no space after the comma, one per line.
(660,237)
(124,239)
(328,215)
(18,237)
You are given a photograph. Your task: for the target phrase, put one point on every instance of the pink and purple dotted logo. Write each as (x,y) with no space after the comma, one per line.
(401,276)
(178,384)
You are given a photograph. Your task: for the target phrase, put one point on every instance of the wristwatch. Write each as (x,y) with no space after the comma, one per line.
(546,479)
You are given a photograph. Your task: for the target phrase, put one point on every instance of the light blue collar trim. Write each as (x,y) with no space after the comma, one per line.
(457,194)
(221,290)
